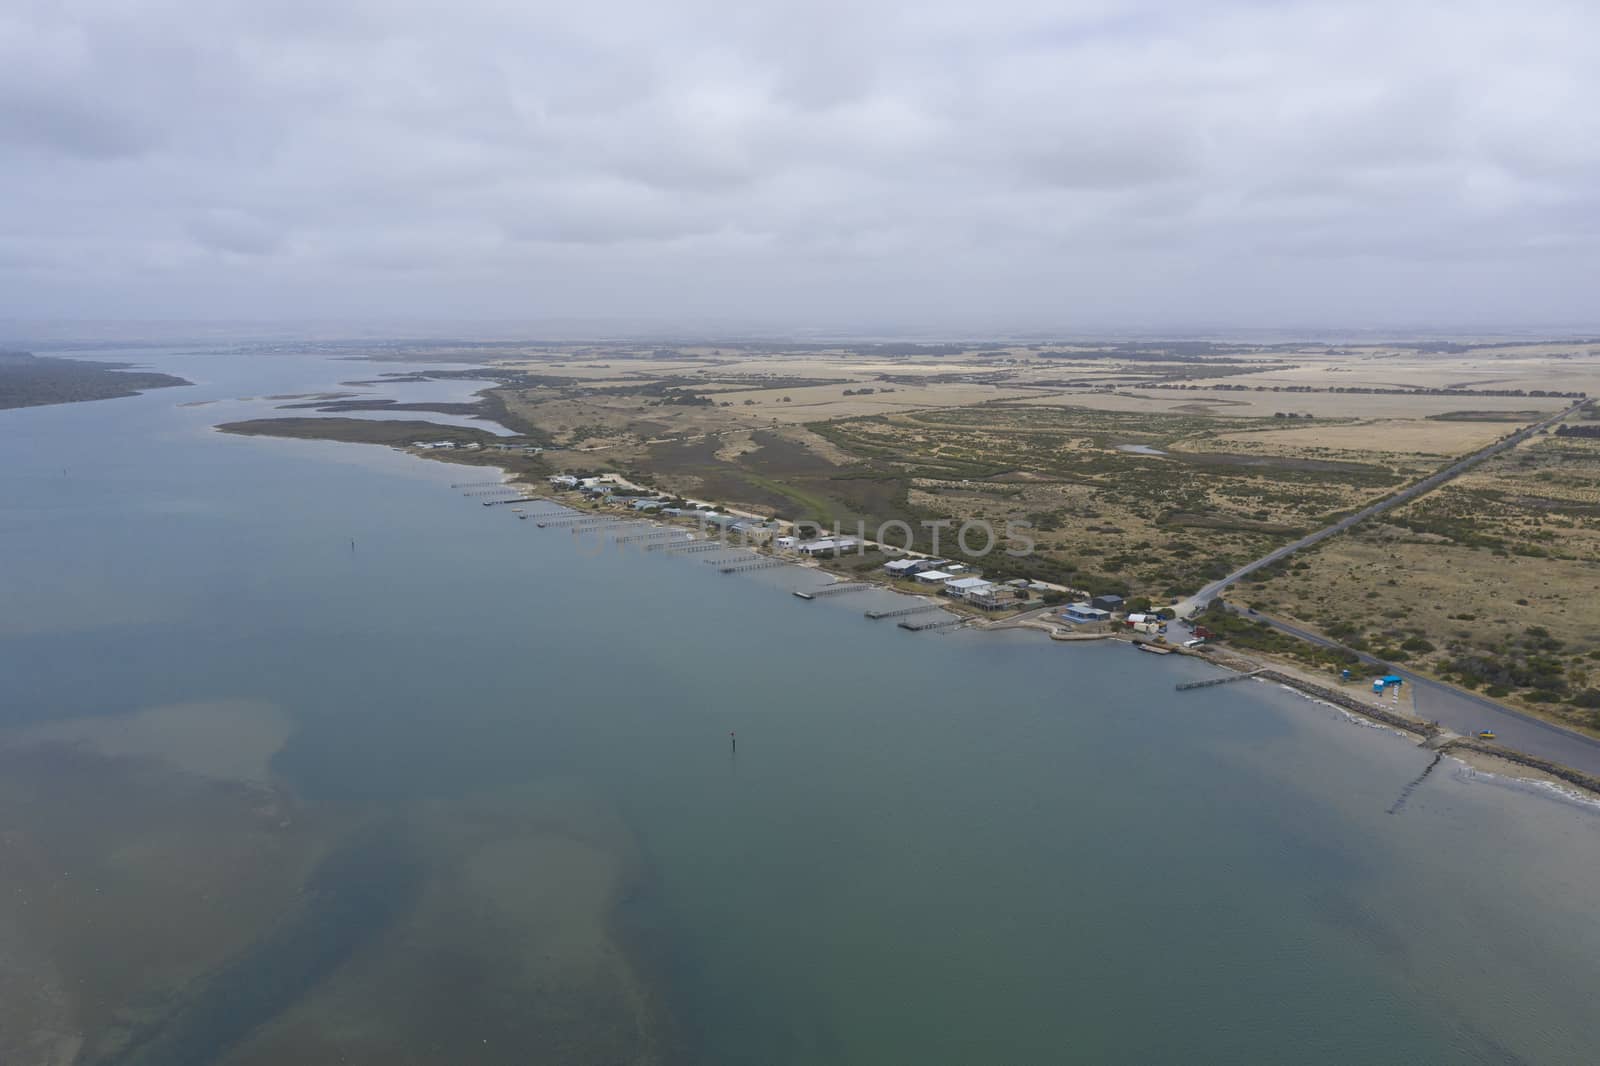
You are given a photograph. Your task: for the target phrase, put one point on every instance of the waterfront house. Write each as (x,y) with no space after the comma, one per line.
(964,587)
(787,543)
(1081,613)
(932,577)
(829,546)
(996,597)
(564,481)
(902,567)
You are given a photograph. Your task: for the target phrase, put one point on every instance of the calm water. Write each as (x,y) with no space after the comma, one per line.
(965,848)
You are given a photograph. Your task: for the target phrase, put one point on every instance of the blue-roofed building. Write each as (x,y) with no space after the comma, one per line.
(1080,613)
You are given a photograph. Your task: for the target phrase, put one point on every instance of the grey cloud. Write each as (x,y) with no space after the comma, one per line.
(1043,159)
(236,232)
(85,129)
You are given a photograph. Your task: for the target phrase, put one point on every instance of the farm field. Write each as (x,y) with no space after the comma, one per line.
(1144,468)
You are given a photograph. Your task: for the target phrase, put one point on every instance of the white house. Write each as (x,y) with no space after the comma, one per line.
(932,577)
(564,481)
(967,587)
(785,542)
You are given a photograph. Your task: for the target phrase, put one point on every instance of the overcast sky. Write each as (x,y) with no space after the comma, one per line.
(1054,164)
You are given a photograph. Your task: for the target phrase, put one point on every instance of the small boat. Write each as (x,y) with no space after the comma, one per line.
(1153,649)
(1485,734)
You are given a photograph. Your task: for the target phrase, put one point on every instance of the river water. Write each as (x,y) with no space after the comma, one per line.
(512,825)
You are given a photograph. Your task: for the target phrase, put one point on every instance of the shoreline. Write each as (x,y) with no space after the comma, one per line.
(1529,767)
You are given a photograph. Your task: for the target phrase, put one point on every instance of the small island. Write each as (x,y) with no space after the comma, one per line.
(28,380)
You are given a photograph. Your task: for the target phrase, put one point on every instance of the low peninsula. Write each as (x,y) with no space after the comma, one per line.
(28,380)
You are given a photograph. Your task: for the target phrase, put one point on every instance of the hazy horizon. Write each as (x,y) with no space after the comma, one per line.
(880,169)
(47,335)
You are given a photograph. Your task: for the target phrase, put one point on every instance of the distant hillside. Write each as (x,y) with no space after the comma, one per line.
(28,380)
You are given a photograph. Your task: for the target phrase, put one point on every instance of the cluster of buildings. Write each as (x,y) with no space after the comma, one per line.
(822,548)
(947,577)
(960,582)
(611,488)
(1098,609)
(435,445)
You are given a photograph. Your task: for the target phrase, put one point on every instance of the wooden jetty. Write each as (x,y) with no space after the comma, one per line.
(756,564)
(580,520)
(830,590)
(901,612)
(660,534)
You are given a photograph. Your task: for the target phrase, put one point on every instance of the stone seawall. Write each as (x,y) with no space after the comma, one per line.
(1350,703)
(1554,769)
(1429,730)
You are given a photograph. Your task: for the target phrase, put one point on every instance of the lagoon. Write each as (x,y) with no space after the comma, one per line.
(508,779)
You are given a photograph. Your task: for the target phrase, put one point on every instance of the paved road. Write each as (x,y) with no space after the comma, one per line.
(1200,599)
(1456,709)
(1466,712)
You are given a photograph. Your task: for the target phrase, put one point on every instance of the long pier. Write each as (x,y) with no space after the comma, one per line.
(830,590)
(582,520)
(491,492)
(758,564)
(936,623)
(901,612)
(660,534)
(679,546)
(1208,682)
(475,484)
(508,499)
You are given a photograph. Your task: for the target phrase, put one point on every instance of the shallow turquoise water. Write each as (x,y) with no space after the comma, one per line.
(933,849)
